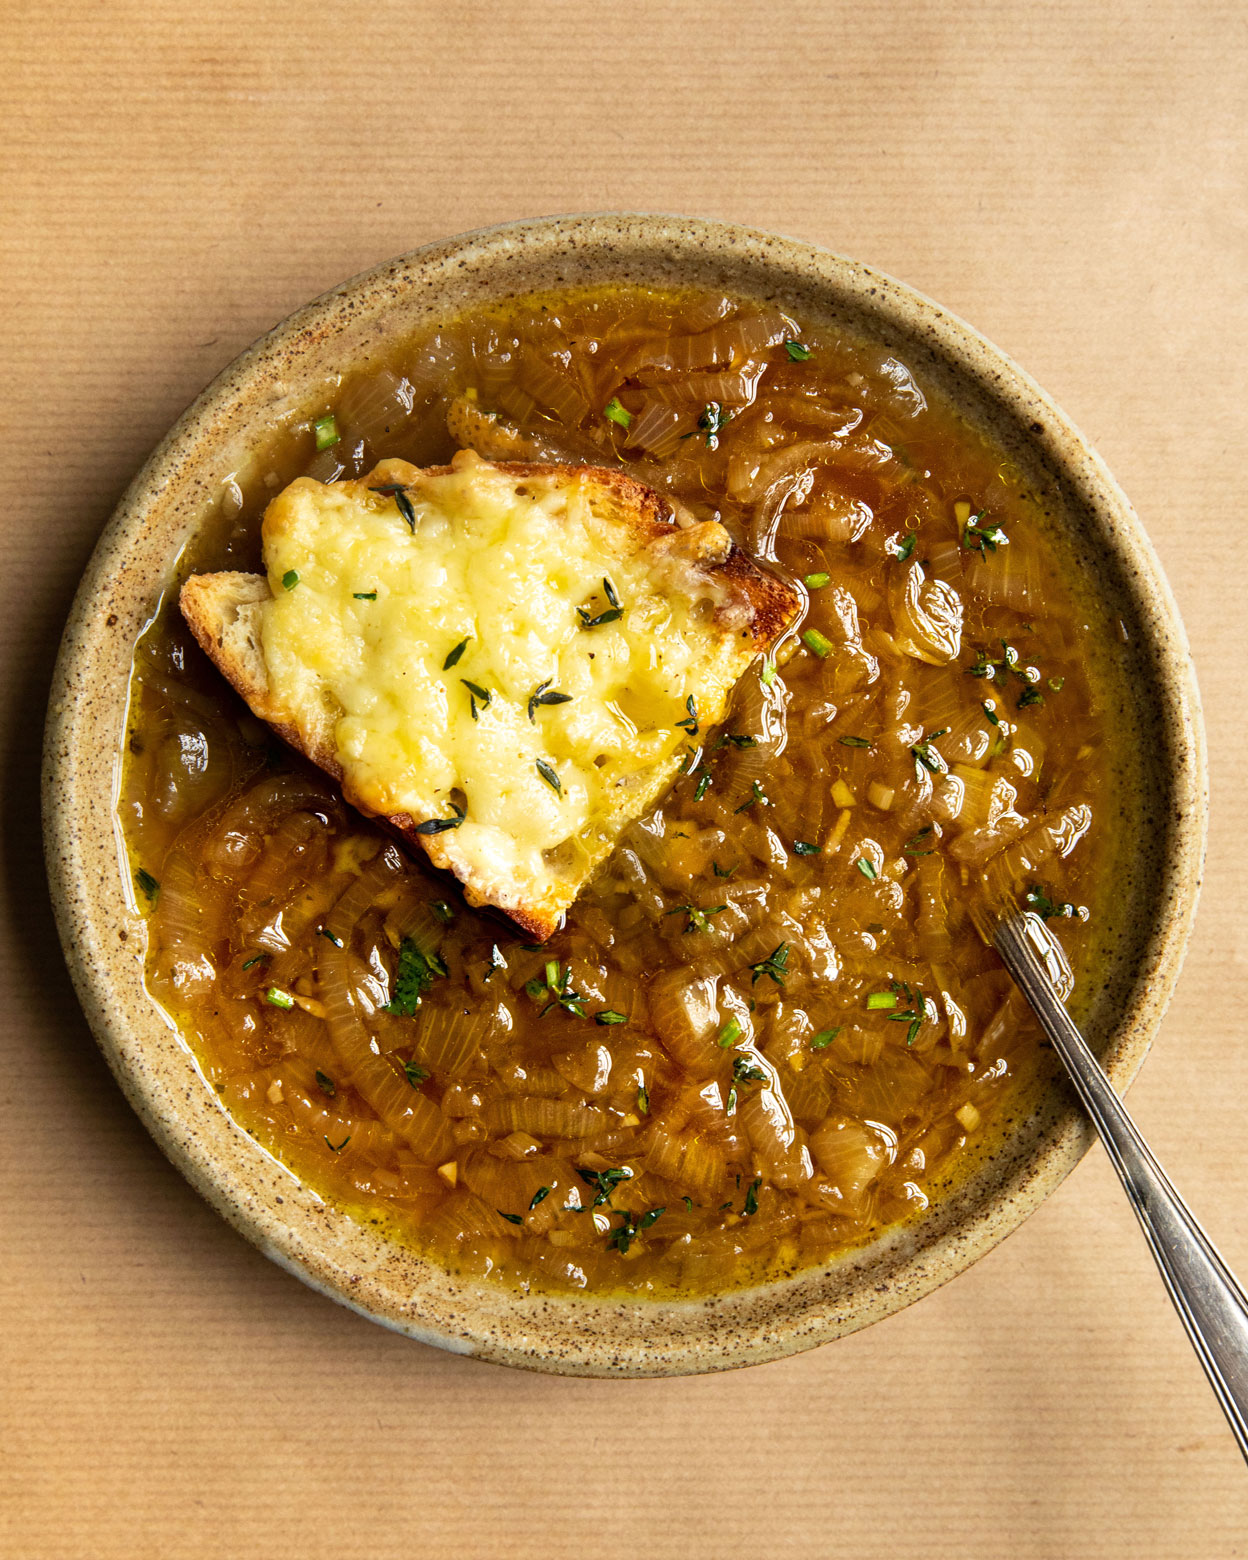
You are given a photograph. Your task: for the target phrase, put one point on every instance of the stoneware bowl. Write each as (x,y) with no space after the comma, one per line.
(104,936)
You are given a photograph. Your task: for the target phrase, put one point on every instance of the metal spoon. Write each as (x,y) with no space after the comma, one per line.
(1204,1290)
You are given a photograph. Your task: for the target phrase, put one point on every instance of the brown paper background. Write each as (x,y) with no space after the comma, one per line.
(1068,177)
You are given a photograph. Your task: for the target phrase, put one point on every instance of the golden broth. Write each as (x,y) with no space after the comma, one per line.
(767,1030)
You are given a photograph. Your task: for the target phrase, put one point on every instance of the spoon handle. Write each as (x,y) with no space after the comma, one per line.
(1205,1294)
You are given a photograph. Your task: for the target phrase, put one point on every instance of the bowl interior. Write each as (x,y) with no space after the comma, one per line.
(104,936)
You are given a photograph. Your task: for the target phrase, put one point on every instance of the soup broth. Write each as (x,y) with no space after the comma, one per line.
(768,1030)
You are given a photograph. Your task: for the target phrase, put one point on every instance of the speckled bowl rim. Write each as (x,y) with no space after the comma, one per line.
(103,934)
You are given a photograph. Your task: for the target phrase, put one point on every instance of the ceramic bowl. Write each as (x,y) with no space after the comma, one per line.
(104,936)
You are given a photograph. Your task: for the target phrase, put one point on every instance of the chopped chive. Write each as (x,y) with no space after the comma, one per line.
(819,643)
(290,579)
(364,595)
(279,998)
(769,672)
(816,581)
(551,778)
(798,351)
(703,786)
(730,1032)
(880,1000)
(615,413)
(823,1039)
(326,431)
(326,1084)
(454,655)
(259,958)
(867,868)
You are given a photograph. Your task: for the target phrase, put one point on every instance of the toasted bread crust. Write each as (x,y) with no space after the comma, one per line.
(224,613)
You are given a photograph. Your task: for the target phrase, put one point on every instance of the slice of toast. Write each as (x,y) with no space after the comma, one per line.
(506,663)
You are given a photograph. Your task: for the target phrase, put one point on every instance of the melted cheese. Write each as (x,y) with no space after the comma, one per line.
(360,640)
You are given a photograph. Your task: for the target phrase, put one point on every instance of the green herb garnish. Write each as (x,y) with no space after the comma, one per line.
(905,547)
(279,998)
(798,351)
(858,742)
(416,1075)
(867,868)
(768,674)
(712,422)
(440,825)
(512,1218)
(1038,900)
(497,962)
(744,1071)
(326,431)
(703,785)
(364,595)
(1030,695)
(823,1039)
(539,1196)
(699,920)
(819,643)
(775,965)
(259,958)
(544,694)
(607,1016)
(615,413)
(453,656)
(983,538)
(757,794)
(611,615)
(805,848)
(731,1031)
(417,971)
(690,723)
(150,889)
(337,1148)
(325,1083)
(643,1100)
(398,493)
(290,579)
(877,1001)
(911,847)
(548,774)
(604,1182)
(816,581)
(751,1197)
